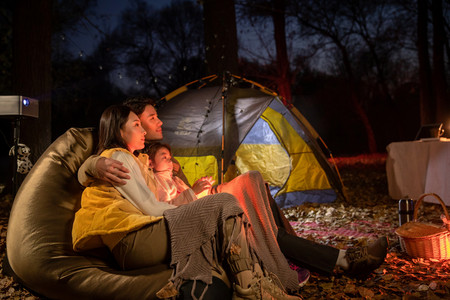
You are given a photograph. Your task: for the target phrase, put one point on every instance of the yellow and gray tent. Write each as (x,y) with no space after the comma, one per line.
(225,127)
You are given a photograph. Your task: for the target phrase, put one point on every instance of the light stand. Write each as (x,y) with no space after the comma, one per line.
(16,137)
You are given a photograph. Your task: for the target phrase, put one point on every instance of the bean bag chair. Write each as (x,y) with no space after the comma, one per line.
(39,240)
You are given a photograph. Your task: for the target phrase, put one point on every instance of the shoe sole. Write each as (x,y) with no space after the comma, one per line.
(304,282)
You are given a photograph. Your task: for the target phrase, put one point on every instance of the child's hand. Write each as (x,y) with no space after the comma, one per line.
(204,183)
(209,179)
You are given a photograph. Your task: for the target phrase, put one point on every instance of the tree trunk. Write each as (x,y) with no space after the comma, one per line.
(284,79)
(427,102)
(32,69)
(371,141)
(439,80)
(381,80)
(220,36)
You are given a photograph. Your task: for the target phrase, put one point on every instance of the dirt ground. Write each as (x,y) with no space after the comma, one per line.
(367,212)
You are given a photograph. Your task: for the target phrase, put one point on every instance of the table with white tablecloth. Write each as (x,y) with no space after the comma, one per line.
(417,167)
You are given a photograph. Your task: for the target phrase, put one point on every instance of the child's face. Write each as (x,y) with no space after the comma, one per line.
(162,161)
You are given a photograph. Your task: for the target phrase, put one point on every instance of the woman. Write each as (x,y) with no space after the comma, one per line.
(213,230)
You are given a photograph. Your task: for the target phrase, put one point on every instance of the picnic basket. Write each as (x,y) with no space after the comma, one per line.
(426,240)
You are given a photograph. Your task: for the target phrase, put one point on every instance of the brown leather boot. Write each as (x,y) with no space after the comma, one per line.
(363,260)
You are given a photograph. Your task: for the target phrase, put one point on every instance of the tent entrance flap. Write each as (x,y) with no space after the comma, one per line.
(261,151)
(275,149)
(306,173)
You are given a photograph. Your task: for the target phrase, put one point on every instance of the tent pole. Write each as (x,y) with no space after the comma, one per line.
(224,114)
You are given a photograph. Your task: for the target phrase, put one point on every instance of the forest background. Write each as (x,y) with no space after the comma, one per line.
(364,73)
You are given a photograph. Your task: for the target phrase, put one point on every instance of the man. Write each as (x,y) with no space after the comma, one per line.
(356,261)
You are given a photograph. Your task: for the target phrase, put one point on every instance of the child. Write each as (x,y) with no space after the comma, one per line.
(170,188)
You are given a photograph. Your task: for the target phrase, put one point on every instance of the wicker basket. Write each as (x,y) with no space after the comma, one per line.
(426,240)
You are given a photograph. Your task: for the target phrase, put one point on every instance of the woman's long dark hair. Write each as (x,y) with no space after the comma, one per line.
(112,120)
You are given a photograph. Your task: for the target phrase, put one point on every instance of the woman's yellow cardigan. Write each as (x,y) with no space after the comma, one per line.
(105,216)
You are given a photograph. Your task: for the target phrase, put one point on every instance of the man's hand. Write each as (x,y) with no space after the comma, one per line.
(112,171)
(203,184)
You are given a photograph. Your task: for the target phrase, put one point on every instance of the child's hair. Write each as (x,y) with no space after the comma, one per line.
(154,147)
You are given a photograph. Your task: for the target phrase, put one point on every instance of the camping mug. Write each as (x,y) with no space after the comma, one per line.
(405,211)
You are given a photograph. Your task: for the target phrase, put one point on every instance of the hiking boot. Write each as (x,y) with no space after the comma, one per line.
(263,288)
(363,260)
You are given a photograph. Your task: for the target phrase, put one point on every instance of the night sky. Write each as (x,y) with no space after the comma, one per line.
(109,12)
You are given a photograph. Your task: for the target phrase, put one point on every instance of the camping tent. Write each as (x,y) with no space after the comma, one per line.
(222,127)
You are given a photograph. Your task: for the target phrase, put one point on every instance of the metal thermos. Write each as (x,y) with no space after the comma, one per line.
(405,211)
